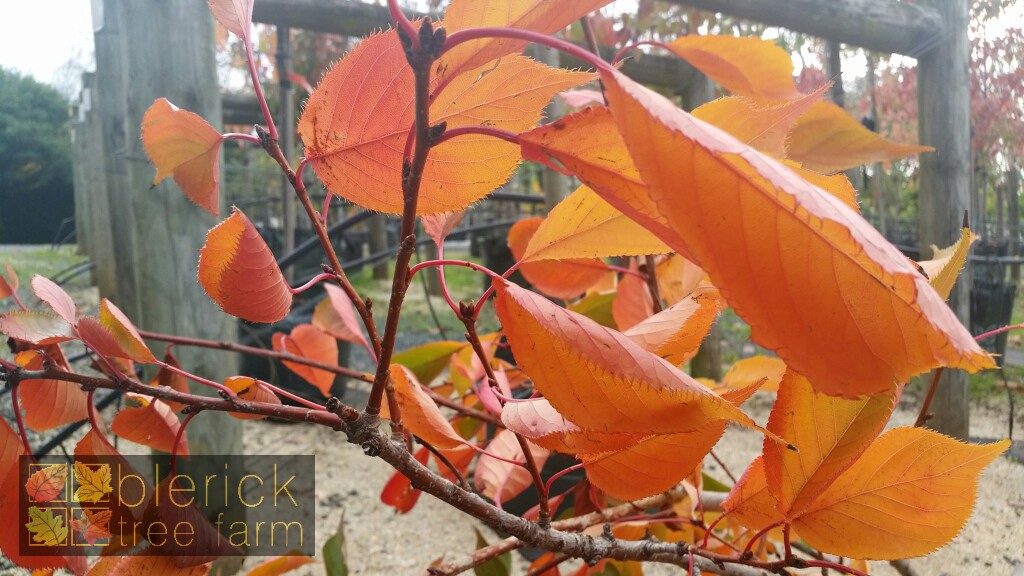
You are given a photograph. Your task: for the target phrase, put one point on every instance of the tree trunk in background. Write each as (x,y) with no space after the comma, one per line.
(554,184)
(148,50)
(944,115)
(708,361)
(1013,215)
(378,243)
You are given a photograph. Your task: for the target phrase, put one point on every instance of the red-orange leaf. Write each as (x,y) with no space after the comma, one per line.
(235,15)
(584,225)
(311,343)
(185,147)
(830,432)
(750,370)
(675,333)
(337,317)
(49,403)
(542,16)
(172,380)
(560,279)
(47,482)
(9,285)
(814,280)
(280,565)
(501,481)
(419,413)
(238,271)
(250,390)
(908,494)
(355,139)
(55,297)
(439,226)
(35,326)
(398,492)
(827,139)
(149,422)
(750,502)
(127,336)
(600,379)
(633,302)
(747,66)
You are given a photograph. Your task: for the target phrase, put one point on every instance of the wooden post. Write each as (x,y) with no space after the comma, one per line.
(834,70)
(166,50)
(554,184)
(1013,215)
(378,242)
(944,116)
(286,126)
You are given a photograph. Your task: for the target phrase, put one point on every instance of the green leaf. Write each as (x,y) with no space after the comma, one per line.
(500,566)
(334,551)
(597,307)
(712,485)
(429,360)
(47,529)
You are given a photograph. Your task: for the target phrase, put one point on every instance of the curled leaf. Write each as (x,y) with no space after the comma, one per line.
(946,263)
(238,271)
(675,333)
(150,422)
(235,15)
(184,146)
(125,333)
(250,390)
(310,342)
(419,413)
(502,481)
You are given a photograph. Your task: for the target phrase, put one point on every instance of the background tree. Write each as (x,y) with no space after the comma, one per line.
(35,160)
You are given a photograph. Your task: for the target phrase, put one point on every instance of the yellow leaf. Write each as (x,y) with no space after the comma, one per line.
(827,139)
(585,226)
(749,370)
(749,66)
(908,494)
(93,482)
(562,279)
(763,125)
(946,263)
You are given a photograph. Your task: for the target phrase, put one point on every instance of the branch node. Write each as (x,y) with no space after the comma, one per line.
(436,132)
(606,533)
(370,449)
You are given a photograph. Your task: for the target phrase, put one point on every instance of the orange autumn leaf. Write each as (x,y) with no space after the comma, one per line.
(837,185)
(49,403)
(92,524)
(173,380)
(336,316)
(238,271)
(541,16)
(751,67)
(585,226)
(310,342)
(633,302)
(502,481)
(910,493)
(946,263)
(250,390)
(750,502)
(150,422)
(750,370)
(420,415)
(677,278)
(399,492)
(830,432)
(562,279)
(762,125)
(598,378)
(185,147)
(624,465)
(355,140)
(675,333)
(125,333)
(755,227)
(47,482)
(827,139)
(235,15)
(280,565)
(35,326)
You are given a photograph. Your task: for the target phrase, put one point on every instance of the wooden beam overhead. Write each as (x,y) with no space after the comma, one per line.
(885,26)
(353,18)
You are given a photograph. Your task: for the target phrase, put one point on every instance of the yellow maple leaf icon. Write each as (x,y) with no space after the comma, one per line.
(93,482)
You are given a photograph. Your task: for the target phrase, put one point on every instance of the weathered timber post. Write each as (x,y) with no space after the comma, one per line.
(944,115)
(153,50)
(555,185)
(286,124)
(93,220)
